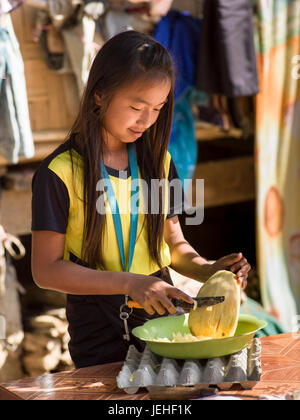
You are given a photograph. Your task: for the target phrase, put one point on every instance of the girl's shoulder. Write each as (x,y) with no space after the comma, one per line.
(60,163)
(64,158)
(60,158)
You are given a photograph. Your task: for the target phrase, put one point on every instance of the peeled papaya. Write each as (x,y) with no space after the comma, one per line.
(218,321)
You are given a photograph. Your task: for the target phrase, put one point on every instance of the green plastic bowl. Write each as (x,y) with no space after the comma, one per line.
(202,349)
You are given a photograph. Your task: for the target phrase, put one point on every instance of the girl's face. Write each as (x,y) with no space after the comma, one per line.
(134,109)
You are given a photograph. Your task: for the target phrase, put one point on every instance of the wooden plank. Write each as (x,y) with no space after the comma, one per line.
(227,181)
(42,150)
(6,395)
(15,212)
(49,136)
(45,142)
(40,4)
(205,131)
(52,97)
(36,78)
(280,374)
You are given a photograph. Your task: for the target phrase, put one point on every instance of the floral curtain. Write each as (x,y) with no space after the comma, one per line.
(278,157)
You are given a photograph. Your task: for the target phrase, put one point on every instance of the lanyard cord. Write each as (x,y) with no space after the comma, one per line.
(124,315)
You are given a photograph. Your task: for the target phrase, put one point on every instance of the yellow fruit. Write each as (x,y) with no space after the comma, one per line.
(218,321)
(180,338)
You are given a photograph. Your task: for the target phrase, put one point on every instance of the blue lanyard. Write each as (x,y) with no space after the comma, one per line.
(115,208)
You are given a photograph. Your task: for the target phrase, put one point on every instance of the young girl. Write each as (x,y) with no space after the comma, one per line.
(97,258)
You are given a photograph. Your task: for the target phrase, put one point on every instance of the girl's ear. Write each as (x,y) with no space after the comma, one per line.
(98,100)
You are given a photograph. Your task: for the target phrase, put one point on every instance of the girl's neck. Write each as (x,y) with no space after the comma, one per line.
(115,155)
(113,146)
(115,149)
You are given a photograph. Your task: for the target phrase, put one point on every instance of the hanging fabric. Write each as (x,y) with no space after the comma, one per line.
(8,6)
(11,326)
(180,33)
(278,158)
(226,59)
(15,134)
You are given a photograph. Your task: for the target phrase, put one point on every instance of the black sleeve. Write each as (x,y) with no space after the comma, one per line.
(50,201)
(176,204)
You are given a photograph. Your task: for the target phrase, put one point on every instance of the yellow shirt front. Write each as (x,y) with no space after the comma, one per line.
(57,205)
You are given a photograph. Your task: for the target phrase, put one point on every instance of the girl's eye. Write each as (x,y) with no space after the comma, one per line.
(138,109)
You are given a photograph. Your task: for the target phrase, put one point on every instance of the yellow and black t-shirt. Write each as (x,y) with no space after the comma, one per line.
(57,206)
(95,328)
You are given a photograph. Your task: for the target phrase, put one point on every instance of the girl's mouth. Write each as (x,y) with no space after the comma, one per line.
(136,133)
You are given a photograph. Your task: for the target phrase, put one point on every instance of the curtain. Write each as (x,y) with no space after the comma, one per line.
(278,157)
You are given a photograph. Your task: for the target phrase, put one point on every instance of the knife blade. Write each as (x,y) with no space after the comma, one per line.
(199,302)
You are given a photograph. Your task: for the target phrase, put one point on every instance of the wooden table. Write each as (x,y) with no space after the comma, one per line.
(280,365)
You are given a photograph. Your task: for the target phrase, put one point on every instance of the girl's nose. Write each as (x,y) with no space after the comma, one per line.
(144,119)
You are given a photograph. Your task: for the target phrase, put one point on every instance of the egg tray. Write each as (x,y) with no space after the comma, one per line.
(165,377)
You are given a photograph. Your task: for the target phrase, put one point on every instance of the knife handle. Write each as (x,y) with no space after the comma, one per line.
(134,304)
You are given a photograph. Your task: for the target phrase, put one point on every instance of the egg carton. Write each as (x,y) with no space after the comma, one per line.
(163,376)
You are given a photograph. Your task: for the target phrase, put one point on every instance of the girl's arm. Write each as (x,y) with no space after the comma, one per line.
(51,272)
(186,261)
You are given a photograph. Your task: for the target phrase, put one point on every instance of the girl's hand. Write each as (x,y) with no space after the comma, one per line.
(235,263)
(154,294)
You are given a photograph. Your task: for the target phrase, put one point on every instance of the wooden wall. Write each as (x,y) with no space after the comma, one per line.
(52,98)
(53,104)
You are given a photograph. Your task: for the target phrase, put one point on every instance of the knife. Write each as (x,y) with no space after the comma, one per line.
(199,302)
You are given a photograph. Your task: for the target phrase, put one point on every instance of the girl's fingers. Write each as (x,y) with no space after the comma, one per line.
(179,294)
(242,281)
(163,302)
(167,303)
(149,309)
(160,308)
(244,270)
(244,284)
(234,268)
(231,259)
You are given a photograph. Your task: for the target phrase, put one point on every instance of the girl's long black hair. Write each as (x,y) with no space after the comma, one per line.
(127,57)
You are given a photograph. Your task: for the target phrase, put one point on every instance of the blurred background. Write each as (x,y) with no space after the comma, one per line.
(236,125)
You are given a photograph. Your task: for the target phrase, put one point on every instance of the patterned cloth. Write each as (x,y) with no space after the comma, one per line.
(278,158)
